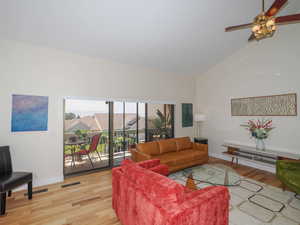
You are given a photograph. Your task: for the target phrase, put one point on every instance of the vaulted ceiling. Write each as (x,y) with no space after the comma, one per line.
(180,36)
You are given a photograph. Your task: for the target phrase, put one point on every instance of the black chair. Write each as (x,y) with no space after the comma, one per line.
(9,179)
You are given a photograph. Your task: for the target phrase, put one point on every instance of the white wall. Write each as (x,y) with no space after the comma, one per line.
(27,69)
(268,67)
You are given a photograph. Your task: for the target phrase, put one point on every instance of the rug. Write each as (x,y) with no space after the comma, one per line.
(253,202)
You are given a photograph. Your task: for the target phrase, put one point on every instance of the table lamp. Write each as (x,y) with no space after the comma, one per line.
(199,118)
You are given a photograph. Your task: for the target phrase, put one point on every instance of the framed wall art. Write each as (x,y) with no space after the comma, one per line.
(273,105)
(187,114)
(29,113)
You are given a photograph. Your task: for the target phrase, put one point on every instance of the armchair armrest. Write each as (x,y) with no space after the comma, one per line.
(161,169)
(205,194)
(155,166)
(203,207)
(200,147)
(152,164)
(288,165)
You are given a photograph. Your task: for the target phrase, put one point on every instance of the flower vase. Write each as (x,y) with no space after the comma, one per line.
(260,144)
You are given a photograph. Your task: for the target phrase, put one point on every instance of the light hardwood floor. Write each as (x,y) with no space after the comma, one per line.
(88,203)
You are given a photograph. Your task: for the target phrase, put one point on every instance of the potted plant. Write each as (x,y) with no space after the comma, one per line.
(161,124)
(259,130)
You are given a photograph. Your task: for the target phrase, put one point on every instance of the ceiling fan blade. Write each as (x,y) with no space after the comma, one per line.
(277,5)
(242,26)
(251,38)
(288,19)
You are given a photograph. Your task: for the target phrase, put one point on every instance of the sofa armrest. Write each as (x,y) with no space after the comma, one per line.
(149,163)
(139,156)
(133,152)
(200,147)
(209,205)
(145,164)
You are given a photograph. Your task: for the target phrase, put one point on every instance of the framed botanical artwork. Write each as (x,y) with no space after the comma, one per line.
(273,105)
(187,114)
(29,113)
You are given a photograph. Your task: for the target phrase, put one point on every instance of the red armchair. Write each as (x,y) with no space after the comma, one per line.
(144,197)
(118,172)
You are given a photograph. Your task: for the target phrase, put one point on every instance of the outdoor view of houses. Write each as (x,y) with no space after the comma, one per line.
(86,131)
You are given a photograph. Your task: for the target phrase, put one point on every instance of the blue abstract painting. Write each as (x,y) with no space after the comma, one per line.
(29,113)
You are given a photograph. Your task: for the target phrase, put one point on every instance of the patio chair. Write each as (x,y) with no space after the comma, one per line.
(10,180)
(92,148)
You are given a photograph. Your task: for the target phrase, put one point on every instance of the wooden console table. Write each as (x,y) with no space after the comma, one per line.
(248,153)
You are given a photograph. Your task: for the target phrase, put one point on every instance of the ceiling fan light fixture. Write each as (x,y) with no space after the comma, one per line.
(255,28)
(271,24)
(263,26)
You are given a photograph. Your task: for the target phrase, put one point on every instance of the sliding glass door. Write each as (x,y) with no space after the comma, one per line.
(125,129)
(97,134)
(85,135)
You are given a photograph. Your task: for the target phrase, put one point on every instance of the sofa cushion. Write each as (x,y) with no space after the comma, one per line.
(157,188)
(149,148)
(166,146)
(183,143)
(182,157)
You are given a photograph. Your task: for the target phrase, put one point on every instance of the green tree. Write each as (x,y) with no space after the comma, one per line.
(82,134)
(161,122)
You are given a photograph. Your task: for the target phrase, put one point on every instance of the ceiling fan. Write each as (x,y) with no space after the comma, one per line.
(265,24)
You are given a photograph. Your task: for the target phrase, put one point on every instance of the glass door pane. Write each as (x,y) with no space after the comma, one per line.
(125,130)
(118,133)
(155,122)
(130,126)
(169,111)
(85,135)
(141,122)
(160,121)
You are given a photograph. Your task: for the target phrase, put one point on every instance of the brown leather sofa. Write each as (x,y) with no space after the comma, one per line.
(177,153)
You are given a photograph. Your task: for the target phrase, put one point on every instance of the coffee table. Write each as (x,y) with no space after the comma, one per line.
(214,174)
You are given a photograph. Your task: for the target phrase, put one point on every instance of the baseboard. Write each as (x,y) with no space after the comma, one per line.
(48,181)
(244,162)
(42,182)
